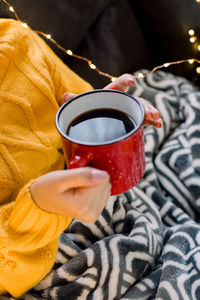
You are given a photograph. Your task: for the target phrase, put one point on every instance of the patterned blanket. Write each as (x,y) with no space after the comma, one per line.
(146,243)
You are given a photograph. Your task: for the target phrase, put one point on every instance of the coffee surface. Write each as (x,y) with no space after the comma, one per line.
(100,125)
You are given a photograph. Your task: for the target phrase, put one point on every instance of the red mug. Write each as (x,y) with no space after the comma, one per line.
(123,157)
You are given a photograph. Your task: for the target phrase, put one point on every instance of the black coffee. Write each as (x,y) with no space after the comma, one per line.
(100,125)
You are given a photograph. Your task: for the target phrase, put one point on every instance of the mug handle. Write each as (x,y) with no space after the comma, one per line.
(80,161)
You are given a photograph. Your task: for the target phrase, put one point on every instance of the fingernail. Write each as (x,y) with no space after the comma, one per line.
(131,80)
(65,96)
(148,115)
(159,125)
(98,175)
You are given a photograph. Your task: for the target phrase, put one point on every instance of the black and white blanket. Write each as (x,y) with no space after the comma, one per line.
(146,243)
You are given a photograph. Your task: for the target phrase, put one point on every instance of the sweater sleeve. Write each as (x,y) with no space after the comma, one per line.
(29,242)
(31,227)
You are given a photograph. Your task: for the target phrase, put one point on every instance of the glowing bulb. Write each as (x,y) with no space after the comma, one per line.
(48,36)
(92,66)
(193,39)
(113,79)
(69,52)
(140,75)
(198,47)
(198,70)
(191,61)
(24,25)
(191,32)
(198,1)
(11,8)
(166,65)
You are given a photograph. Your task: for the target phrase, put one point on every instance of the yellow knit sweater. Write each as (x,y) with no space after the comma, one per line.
(32,81)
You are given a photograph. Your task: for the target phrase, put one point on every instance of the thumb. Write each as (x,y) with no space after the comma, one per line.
(122,83)
(83,177)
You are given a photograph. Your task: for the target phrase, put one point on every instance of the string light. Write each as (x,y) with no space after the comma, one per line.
(92,66)
(11,9)
(69,52)
(24,25)
(191,32)
(48,36)
(140,75)
(191,61)
(193,39)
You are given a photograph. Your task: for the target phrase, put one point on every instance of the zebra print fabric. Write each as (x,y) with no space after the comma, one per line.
(146,243)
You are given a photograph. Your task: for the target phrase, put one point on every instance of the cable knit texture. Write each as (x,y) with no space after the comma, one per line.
(32,81)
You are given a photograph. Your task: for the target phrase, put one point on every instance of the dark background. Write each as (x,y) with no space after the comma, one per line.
(119,36)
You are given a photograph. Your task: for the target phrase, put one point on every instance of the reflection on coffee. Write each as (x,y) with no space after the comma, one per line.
(100,125)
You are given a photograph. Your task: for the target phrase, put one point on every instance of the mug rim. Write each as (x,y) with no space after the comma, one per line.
(123,137)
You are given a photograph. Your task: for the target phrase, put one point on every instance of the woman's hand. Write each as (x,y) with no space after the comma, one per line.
(80,193)
(122,83)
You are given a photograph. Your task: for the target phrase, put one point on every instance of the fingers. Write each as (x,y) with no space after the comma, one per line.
(150,111)
(122,83)
(87,202)
(82,177)
(100,197)
(152,115)
(155,123)
(67,96)
(103,196)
